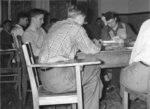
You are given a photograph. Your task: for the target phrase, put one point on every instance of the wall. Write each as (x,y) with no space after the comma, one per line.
(133,12)
(120,6)
(138,6)
(43,4)
(0,12)
(123,6)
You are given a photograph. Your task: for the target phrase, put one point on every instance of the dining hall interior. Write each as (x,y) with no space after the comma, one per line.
(104,66)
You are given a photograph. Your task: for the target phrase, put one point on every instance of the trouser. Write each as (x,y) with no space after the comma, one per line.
(135,77)
(60,80)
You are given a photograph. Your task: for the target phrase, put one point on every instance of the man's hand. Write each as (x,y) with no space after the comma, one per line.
(97,43)
(81,55)
(87,57)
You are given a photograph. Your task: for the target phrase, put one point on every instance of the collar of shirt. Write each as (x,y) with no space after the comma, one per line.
(19,26)
(118,27)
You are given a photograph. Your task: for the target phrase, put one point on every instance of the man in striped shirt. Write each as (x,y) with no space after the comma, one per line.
(62,42)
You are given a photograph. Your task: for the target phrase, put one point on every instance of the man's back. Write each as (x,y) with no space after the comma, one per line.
(63,40)
(59,41)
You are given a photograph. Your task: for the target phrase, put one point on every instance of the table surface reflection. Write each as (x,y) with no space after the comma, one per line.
(115,58)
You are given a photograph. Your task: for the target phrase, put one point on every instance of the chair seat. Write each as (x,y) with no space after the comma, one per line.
(142,96)
(49,98)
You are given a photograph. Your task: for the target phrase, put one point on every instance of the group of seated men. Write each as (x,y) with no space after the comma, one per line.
(62,41)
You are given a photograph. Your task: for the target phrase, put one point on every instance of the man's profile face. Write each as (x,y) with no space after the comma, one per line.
(81,19)
(25,21)
(112,23)
(39,20)
(7,26)
(98,22)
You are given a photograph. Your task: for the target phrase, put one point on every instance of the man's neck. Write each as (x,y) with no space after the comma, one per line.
(115,27)
(33,28)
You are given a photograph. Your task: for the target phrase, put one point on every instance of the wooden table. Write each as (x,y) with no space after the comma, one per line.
(114,58)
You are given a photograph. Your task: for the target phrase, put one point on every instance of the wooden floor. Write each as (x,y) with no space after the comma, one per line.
(9,100)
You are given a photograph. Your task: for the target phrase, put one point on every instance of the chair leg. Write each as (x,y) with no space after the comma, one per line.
(18,85)
(125,98)
(19,89)
(148,101)
(74,106)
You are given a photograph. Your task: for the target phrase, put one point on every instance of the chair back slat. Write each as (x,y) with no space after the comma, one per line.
(148,99)
(33,82)
(19,53)
(31,59)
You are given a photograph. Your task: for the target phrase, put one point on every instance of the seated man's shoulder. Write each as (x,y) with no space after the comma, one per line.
(16,29)
(146,22)
(72,24)
(27,35)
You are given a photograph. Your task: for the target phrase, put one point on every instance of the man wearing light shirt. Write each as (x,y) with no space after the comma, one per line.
(22,20)
(62,42)
(136,75)
(34,33)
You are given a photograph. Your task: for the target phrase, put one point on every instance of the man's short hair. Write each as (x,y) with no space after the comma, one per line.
(97,19)
(6,22)
(109,15)
(22,15)
(53,20)
(74,10)
(35,12)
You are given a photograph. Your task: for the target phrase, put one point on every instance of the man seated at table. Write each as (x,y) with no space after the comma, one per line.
(35,33)
(122,34)
(6,39)
(22,22)
(136,75)
(62,42)
(6,42)
(116,30)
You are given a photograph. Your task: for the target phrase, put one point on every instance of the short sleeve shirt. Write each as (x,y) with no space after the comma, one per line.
(63,40)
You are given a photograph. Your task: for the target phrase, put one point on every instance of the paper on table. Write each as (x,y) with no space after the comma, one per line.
(130,48)
(108,42)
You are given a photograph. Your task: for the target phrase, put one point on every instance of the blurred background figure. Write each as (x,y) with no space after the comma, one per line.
(5,36)
(94,29)
(6,42)
(46,25)
(48,21)
(53,20)
(22,23)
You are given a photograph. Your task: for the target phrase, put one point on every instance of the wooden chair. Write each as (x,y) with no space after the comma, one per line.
(10,74)
(42,97)
(21,63)
(143,96)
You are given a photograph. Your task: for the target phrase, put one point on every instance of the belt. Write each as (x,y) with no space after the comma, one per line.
(144,63)
(46,69)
